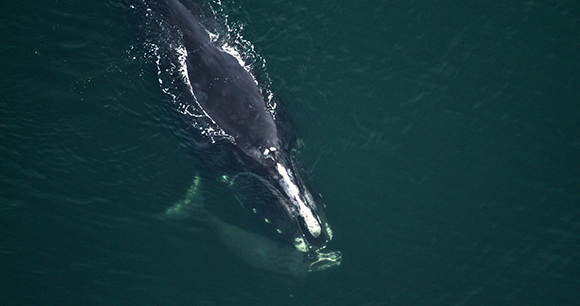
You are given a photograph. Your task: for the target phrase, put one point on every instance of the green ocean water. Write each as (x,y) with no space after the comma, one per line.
(444,137)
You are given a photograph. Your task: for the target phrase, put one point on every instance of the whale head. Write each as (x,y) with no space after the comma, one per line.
(279,196)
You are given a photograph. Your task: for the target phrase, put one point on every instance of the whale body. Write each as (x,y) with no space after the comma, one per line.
(265,174)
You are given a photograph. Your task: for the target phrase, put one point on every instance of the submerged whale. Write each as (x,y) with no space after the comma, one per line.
(256,250)
(265,174)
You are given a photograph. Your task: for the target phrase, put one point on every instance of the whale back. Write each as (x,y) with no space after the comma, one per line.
(224,89)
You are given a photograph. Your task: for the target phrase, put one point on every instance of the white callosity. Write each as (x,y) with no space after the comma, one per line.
(294,193)
(300,245)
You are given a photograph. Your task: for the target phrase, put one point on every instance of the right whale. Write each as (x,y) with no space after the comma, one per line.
(259,156)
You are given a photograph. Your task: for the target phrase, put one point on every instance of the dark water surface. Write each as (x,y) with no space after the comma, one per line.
(443,135)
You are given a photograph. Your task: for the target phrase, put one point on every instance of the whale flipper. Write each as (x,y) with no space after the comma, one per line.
(191,201)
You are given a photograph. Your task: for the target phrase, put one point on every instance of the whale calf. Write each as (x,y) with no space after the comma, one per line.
(265,174)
